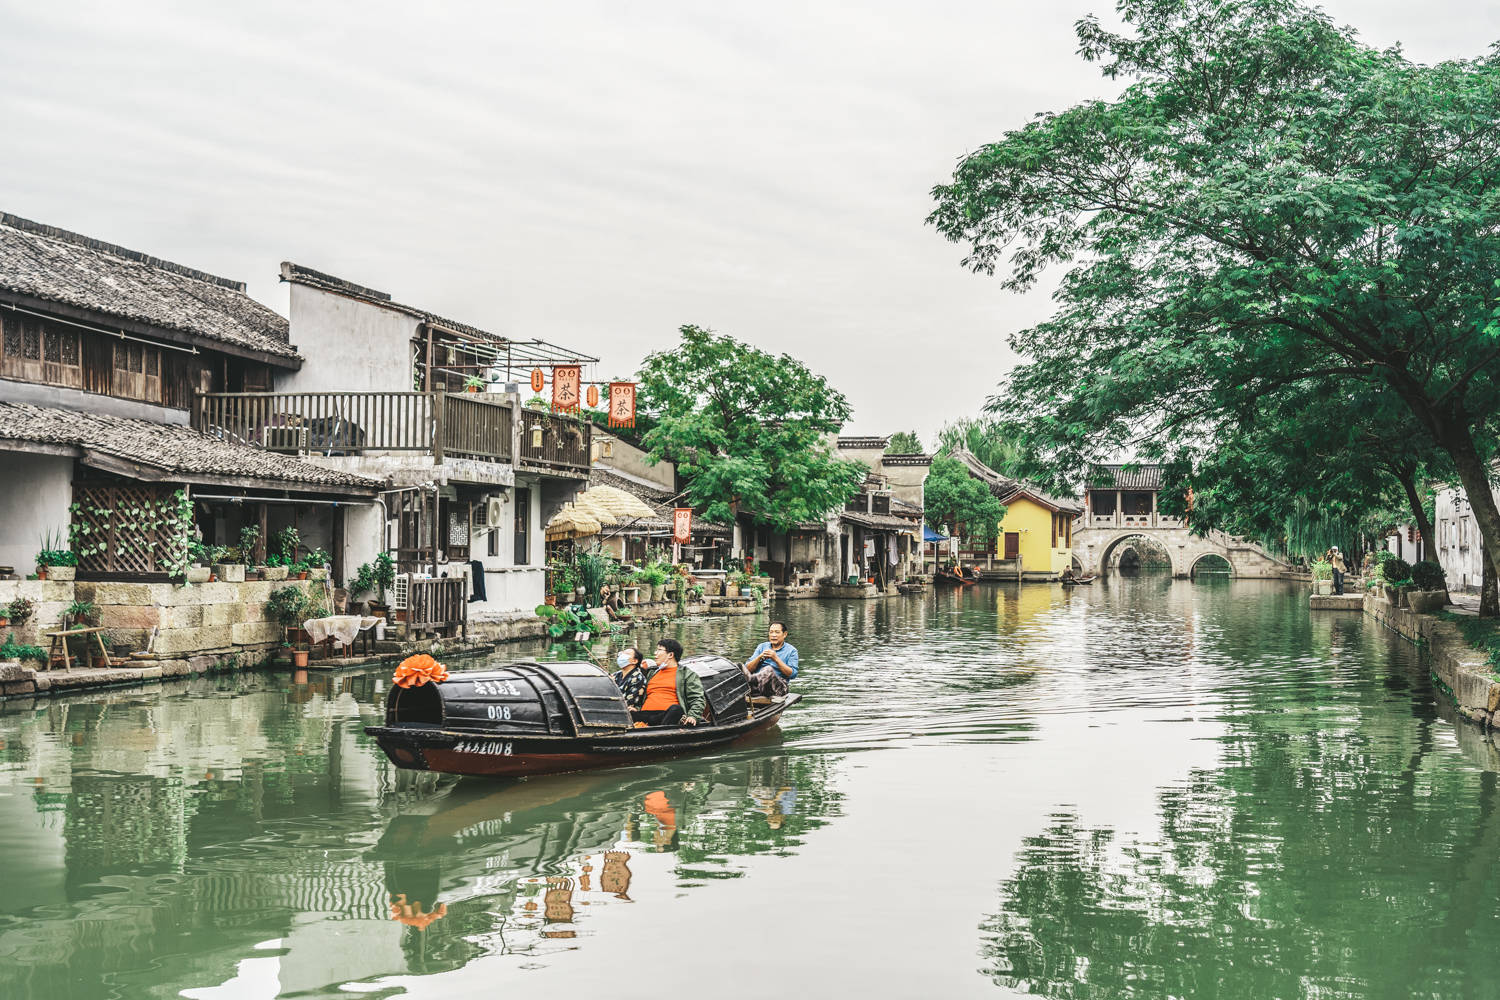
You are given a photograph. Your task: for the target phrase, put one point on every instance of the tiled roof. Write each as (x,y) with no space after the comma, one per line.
(1007,489)
(655,499)
(864,442)
(54,265)
(886,522)
(916,458)
(899,506)
(1125,477)
(175,451)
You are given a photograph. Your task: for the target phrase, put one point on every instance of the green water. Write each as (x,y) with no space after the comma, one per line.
(1146,789)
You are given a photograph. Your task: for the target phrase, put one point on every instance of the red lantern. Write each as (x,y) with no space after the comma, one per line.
(593,396)
(622,404)
(538,381)
(567,381)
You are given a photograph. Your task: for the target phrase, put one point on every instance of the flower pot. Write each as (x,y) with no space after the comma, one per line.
(551,600)
(275,572)
(299,658)
(41,572)
(658,591)
(199,574)
(230,572)
(1426,602)
(99,662)
(731,590)
(318,573)
(302,575)
(62,572)
(1325,587)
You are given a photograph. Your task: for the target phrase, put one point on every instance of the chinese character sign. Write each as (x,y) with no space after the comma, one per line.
(567,384)
(682,525)
(622,404)
(538,380)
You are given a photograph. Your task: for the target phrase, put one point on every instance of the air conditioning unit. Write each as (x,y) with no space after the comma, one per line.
(494,513)
(292,439)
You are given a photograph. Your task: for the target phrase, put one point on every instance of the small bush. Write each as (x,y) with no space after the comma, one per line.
(1384,556)
(286,605)
(12,650)
(1322,570)
(1395,569)
(1428,575)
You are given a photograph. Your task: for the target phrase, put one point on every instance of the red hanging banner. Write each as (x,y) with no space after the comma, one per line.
(538,380)
(682,525)
(567,382)
(622,404)
(593,396)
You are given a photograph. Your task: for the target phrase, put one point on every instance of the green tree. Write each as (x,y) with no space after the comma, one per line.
(748,430)
(986,439)
(1268,202)
(904,443)
(960,503)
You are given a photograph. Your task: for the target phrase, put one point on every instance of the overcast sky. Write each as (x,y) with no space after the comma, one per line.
(595,174)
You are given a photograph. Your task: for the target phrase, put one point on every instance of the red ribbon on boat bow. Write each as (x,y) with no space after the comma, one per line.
(414,671)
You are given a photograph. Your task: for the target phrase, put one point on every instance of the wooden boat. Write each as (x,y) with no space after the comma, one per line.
(958,577)
(543,718)
(1080,581)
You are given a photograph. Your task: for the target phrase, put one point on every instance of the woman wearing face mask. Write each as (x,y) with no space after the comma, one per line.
(631,677)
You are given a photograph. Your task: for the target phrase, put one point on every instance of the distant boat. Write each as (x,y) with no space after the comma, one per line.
(957,576)
(1079,581)
(544,718)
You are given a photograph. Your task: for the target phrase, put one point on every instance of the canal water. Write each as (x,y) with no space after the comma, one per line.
(1150,788)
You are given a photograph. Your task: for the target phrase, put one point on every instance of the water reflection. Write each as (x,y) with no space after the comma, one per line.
(157,839)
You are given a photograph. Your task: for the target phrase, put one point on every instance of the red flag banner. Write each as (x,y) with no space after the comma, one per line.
(567,385)
(682,525)
(622,404)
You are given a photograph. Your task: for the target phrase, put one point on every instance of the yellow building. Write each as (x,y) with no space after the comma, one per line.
(1036,535)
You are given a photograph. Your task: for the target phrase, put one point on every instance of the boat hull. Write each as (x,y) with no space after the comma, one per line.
(497,755)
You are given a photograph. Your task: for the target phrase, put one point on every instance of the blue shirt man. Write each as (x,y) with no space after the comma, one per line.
(773,664)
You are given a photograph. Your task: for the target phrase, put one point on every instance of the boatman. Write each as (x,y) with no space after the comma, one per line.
(773,664)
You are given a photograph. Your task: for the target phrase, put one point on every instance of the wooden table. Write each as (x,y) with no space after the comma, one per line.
(62,638)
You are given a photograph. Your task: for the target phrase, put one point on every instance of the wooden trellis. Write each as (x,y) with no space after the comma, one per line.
(109,512)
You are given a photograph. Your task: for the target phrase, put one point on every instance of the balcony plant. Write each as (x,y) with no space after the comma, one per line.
(375,578)
(288,539)
(250,543)
(276,566)
(317,564)
(231,566)
(53,561)
(473,383)
(298,570)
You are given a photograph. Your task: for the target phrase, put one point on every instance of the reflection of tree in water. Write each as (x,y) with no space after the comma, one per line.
(1315,862)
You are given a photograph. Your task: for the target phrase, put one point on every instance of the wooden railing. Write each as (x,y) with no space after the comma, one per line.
(437,604)
(476,427)
(565,441)
(354,423)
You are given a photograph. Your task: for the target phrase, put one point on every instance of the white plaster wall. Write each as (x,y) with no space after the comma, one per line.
(364,534)
(631,461)
(35,499)
(508,586)
(347,345)
(1458,541)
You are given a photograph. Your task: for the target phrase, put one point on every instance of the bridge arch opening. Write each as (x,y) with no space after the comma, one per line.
(1211,566)
(1136,555)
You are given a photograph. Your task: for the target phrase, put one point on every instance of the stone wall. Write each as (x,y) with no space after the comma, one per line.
(203,620)
(1461,671)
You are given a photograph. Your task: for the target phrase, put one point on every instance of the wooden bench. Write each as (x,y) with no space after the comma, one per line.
(61,637)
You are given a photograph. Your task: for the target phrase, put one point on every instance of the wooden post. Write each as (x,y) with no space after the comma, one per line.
(265,542)
(437,428)
(1153,510)
(1119,508)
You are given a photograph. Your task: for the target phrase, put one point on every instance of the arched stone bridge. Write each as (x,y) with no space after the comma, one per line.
(1097,542)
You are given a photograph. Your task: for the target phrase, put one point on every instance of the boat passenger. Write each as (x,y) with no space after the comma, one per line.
(773,664)
(674,694)
(631,677)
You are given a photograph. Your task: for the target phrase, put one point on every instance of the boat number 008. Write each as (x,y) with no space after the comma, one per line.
(499,711)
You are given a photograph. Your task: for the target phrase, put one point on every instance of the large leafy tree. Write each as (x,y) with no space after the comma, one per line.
(957,502)
(1268,203)
(904,443)
(984,438)
(749,430)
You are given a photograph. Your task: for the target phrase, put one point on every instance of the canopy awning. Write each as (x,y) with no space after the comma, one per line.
(928,535)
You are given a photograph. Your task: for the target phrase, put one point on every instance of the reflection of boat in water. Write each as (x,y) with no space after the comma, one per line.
(534,718)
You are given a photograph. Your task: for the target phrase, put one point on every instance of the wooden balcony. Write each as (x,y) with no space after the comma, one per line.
(443,425)
(564,442)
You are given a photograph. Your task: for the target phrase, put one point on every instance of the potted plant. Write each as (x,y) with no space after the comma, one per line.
(200,563)
(317,564)
(1322,574)
(473,383)
(250,545)
(288,539)
(12,650)
(99,658)
(84,613)
(276,567)
(56,564)
(19,611)
(1429,583)
(287,607)
(231,567)
(733,582)
(298,570)
(1396,573)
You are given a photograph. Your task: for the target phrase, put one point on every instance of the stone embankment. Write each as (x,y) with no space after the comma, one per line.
(1460,671)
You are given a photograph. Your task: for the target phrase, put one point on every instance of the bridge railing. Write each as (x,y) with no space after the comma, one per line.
(1119,520)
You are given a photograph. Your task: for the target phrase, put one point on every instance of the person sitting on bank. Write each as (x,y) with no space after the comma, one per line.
(631,677)
(773,664)
(613,606)
(674,693)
